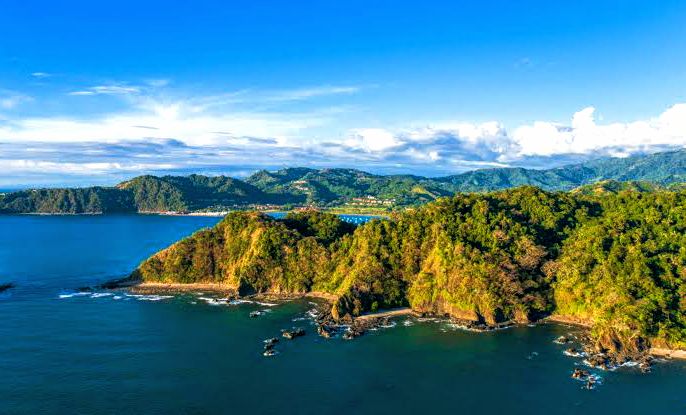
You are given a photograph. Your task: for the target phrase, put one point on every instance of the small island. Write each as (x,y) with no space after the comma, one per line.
(609,257)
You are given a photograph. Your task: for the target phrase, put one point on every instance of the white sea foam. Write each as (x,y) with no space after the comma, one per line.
(152,297)
(99,295)
(574,354)
(630,363)
(457,326)
(214,301)
(388,325)
(266,304)
(239,302)
(73,294)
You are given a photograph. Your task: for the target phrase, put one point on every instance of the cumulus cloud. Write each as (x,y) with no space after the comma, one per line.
(372,140)
(492,144)
(586,136)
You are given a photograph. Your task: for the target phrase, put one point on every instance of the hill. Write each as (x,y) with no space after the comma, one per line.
(342,188)
(90,200)
(660,168)
(335,186)
(614,261)
(194,192)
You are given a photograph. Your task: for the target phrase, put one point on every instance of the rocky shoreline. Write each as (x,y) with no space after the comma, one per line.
(581,345)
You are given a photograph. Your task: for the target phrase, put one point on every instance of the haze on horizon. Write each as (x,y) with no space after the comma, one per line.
(93,94)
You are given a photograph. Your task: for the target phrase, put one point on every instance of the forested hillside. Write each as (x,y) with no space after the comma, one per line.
(342,188)
(613,260)
(89,200)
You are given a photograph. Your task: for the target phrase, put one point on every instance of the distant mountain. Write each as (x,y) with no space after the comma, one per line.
(334,186)
(661,168)
(338,187)
(85,200)
(194,192)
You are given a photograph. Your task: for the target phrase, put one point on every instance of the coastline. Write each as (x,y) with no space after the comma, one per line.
(653,351)
(165,288)
(396,312)
(205,214)
(175,287)
(225,289)
(668,353)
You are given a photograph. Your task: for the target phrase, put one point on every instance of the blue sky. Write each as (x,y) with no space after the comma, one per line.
(93,92)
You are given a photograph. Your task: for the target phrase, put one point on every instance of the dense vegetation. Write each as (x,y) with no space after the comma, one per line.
(88,200)
(660,168)
(334,186)
(347,188)
(194,192)
(614,259)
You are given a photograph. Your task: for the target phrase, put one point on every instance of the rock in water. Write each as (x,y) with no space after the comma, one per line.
(271,341)
(580,374)
(325,331)
(562,340)
(293,333)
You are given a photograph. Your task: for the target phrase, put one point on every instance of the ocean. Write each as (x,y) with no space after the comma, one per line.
(112,353)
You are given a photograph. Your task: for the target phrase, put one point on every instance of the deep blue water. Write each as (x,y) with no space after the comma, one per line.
(119,354)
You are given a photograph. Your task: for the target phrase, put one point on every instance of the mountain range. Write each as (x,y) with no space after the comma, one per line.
(333,187)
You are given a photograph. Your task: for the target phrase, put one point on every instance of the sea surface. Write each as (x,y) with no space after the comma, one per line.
(62,352)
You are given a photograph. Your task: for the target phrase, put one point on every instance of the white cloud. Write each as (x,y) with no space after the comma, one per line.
(306,93)
(158,83)
(41,75)
(107,90)
(11,166)
(10,100)
(161,132)
(586,136)
(372,140)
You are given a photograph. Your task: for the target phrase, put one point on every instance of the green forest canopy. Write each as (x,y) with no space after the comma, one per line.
(615,260)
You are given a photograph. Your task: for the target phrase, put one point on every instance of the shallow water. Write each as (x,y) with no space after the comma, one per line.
(109,354)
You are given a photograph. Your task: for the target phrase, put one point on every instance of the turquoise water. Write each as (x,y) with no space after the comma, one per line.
(108,355)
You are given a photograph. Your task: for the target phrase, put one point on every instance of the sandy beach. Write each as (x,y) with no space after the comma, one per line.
(406,311)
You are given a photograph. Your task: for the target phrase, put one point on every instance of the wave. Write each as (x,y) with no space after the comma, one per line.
(214,301)
(99,295)
(266,304)
(71,294)
(155,297)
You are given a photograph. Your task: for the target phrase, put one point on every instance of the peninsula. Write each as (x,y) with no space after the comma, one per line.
(609,256)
